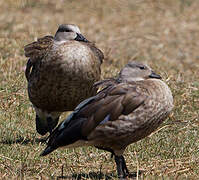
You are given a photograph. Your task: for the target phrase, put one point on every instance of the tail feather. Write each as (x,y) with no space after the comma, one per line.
(63,135)
(48,150)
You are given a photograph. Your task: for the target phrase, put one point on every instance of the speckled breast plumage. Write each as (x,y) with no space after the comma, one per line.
(64,76)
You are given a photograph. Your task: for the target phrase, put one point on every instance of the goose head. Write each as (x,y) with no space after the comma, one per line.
(69,32)
(135,71)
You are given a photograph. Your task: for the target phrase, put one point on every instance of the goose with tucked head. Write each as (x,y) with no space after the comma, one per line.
(60,72)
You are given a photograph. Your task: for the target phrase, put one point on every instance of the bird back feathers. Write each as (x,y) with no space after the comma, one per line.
(37,50)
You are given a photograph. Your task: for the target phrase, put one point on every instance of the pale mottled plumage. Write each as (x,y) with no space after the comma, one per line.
(60,74)
(126,110)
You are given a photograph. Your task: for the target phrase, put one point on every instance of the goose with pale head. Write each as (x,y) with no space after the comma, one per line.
(60,73)
(127,109)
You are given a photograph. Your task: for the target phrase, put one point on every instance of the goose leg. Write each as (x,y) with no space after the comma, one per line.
(50,124)
(124,167)
(40,126)
(122,170)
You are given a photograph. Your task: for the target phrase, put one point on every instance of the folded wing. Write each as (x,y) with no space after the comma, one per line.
(36,51)
(114,100)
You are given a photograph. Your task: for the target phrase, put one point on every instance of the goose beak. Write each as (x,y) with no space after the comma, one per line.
(154,75)
(80,37)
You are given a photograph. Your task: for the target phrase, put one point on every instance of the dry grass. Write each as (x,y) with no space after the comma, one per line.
(163,33)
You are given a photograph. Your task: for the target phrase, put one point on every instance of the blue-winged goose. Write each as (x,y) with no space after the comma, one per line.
(60,72)
(126,110)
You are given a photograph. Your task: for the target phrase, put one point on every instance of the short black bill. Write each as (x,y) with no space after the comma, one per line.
(154,75)
(80,37)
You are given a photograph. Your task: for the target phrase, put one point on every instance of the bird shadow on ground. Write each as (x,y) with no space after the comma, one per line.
(96,175)
(24,141)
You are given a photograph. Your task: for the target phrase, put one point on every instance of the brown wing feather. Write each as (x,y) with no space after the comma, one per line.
(120,99)
(105,83)
(132,100)
(37,50)
(96,51)
(28,69)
